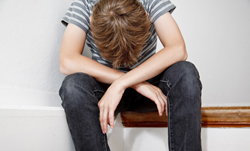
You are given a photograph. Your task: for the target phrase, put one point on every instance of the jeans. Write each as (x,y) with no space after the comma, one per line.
(180,82)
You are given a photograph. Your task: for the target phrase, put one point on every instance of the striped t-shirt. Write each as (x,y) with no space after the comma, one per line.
(80,11)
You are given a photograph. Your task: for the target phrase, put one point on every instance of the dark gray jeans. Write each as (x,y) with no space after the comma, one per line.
(180,82)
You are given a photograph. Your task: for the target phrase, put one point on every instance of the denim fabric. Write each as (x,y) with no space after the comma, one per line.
(180,82)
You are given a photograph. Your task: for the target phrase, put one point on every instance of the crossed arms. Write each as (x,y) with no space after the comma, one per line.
(71,61)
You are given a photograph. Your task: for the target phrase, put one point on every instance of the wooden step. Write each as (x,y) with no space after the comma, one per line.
(211,117)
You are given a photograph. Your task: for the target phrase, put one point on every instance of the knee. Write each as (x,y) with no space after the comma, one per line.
(190,85)
(73,82)
(188,81)
(186,68)
(189,76)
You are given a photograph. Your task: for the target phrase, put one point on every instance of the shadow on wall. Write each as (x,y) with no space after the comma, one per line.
(86,52)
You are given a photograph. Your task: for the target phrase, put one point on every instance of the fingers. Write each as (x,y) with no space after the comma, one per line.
(164,98)
(160,105)
(106,117)
(103,117)
(111,119)
(104,121)
(161,101)
(154,93)
(107,106)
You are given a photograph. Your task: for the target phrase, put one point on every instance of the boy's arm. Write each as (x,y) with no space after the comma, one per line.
(174,50)
(72,61)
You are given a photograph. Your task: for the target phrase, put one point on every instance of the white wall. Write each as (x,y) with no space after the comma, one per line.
(217,36)
(216,32)
(30,38)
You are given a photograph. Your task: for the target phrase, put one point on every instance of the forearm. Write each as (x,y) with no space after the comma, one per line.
(153,66)
(134,78)
(78,63)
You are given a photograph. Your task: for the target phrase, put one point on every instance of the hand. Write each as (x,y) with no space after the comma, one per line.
(154,93)
(107,106)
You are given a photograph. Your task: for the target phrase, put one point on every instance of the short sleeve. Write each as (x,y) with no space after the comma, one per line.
(78,14)
(159,7)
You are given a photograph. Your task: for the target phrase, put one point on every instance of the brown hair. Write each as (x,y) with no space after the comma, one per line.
(120,29)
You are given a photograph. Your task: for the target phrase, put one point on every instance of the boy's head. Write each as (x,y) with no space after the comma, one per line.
(120,29)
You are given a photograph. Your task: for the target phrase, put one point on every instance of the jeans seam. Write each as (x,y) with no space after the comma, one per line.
(105,144)
(104,137)
(170,127)
(167,83)
(98,91)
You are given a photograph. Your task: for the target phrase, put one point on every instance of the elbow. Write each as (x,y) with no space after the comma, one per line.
(183,52)
(64,66)
(179,52)
(185,55)
(63,70)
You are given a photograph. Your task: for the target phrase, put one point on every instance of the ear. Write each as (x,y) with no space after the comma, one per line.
(90,18)
(146,13)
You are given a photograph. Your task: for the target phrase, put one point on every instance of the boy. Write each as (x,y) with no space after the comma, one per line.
(125,73)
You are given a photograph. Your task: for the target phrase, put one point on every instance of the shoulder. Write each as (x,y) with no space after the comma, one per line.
(157,8)
(79,13)
(85,3)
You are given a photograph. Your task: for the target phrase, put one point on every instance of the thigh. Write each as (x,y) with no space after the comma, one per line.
(80,95)
(80,86)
